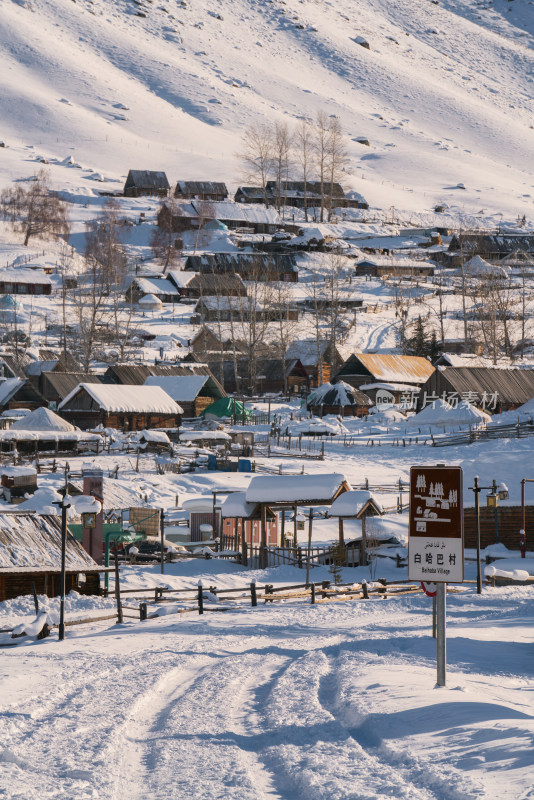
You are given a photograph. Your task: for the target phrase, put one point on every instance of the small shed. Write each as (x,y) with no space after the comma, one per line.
(18,481)
(129,408)
(30,554)
(146,182)
(241,522)
(338,398)
(202,511)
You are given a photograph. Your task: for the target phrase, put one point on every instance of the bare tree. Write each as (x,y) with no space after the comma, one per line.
(321,152)
(35,209)
(303,141)
(164,239)
(257,155)
(282,142)
(90,301)
(286,321)
(337,159)
(103,244)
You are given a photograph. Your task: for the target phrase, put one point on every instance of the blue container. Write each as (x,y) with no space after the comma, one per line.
(212,461)
(244,465)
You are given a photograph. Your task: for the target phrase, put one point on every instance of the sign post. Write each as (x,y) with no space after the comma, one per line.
(435,544)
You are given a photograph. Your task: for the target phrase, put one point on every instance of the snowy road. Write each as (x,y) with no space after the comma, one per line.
(334,701)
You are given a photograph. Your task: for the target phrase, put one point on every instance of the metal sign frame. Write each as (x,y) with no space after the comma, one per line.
(436,538)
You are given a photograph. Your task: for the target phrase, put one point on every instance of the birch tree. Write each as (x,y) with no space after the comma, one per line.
(34,209)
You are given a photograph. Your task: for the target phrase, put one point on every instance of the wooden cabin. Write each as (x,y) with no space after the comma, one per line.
(201,190)
(269,376)
(128,408)
(24,281)
(30,555)
(140,183)
(250,266)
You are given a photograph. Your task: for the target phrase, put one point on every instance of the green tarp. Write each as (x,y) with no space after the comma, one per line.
(227,407)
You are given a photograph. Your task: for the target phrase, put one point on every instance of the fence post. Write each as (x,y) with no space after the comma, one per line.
(365,590)
(312,601)
(325,585)
(142,611)
(117,587)
(200,598)
(268,590)
(253,595)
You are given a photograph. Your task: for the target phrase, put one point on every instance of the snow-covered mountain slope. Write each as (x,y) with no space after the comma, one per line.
(444,92)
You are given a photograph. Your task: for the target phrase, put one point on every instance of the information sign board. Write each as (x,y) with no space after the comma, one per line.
(436,544)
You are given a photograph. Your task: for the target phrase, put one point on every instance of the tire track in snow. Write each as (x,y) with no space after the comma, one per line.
(135,744)
(248,721)
(421,779)
(195,733)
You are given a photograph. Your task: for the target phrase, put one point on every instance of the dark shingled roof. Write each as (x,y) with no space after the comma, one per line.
(62,383)
(495,244)
(146,179)
(243,263)
(514,386)
(199,188)
(293,188)
(136,374)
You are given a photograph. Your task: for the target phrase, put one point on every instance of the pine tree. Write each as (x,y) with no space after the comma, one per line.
(418,343)
(338,561)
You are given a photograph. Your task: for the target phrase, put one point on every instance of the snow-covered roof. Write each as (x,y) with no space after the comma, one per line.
(32,541)
(238,212)
(9,387)
(220,303)
(24,276)
(159,437)
(42,419)
(479,267)
(182,388)
(351,504)
(149,300)
(236,505)
(127,399)
(18,472)
(199,436)
(337,394)
(180,278)
(156,286)
(320,489)
(306,351)
(437,413)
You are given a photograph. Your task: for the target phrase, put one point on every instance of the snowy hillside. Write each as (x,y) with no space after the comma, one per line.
(443,93)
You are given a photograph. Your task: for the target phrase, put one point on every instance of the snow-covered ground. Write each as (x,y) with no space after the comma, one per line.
(337,700)
(443,94)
